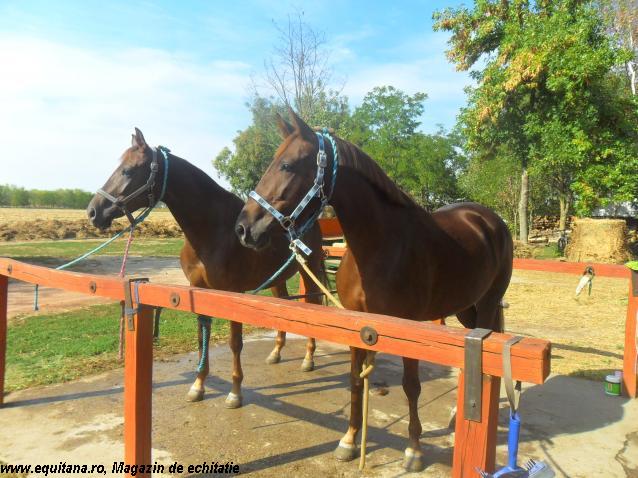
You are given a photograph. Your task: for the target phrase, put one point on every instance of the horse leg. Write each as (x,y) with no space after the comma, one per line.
(413,460)
(467,317)
(196,392)
(490,312)
(308,364)
(347,449)
(234,398)
(275,356)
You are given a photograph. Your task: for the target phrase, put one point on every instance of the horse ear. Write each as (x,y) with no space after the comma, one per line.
(138,139)
(284,127)
(300,125)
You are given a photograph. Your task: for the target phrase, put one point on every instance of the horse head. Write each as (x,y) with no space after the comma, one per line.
(274,206)
(133,185)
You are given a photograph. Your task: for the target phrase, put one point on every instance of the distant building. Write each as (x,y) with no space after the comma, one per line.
(625,209)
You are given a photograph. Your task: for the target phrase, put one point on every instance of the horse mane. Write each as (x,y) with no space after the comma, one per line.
(353,157)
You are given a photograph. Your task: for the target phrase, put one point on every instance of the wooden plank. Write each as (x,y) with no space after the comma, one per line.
(334,251)
(330,228)
(475,442)
(138,377)
(630,360)
(422,341)
(4,290)
(601,270)
(110,287)
(419,340)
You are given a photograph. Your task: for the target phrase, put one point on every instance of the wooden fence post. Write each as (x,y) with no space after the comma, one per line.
(4,299)
(138,380)
(475,442)
(630,374)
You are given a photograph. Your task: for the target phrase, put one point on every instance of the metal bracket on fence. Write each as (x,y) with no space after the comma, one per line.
(473,369)
(129,311)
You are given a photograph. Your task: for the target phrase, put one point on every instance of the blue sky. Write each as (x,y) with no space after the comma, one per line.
(78,76)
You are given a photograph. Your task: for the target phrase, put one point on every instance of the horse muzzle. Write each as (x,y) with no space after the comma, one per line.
(253,237)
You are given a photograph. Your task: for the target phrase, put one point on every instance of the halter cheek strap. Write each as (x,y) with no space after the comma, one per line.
(317,190)
(148,187)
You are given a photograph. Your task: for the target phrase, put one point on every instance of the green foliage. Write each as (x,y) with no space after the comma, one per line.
(385,127)
(256,145)
(547,94)
(63,198)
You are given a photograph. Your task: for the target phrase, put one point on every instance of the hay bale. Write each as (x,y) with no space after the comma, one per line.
(523,251)
(598,240)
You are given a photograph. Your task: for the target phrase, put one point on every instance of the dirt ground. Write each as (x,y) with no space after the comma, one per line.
(26,224)
(291,421)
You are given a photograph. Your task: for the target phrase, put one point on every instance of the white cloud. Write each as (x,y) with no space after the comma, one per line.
(66,112)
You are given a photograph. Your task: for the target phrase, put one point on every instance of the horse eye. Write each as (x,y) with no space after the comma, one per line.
(126,171)
(285,167)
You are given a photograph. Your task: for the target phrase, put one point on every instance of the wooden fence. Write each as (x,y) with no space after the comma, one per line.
(475,441)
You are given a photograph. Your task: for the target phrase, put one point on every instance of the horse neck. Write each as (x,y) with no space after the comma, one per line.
(205,211)
(370,221)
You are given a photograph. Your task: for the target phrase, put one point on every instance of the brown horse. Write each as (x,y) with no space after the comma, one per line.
(402,261)
(212,257)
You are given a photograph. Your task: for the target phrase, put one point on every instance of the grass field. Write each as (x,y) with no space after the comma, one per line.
(40,250)
(62,347)
(46,349)
(21,214)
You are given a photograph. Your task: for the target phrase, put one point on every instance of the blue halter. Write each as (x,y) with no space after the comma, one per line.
(317,190)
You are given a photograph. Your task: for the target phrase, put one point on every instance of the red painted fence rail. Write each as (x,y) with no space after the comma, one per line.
(475,442)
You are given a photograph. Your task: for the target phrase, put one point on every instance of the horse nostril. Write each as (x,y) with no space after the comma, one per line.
(240,230)
(92,213)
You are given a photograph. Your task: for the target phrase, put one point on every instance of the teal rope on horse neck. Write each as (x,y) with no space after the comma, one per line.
(268,282)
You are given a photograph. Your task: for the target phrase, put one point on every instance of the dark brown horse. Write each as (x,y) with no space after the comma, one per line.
(212,257)
(402,260)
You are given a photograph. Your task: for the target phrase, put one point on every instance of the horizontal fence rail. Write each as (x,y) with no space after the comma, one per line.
(475,439)
(418,340)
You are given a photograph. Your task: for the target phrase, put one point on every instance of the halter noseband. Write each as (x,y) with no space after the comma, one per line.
(148,187)
(317,190)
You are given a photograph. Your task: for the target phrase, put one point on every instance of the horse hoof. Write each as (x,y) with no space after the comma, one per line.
(307,365)
(273,358)
(233,401)
(345,452)
(195,395)
(413,460)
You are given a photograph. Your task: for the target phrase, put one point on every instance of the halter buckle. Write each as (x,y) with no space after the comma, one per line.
(322,159)
(287,223)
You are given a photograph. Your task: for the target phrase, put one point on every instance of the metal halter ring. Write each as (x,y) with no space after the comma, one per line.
(287,223)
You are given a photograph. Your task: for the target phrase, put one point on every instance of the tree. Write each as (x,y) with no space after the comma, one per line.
(298,77)
(544,95)
(298,72)
(622,18)
(386,125)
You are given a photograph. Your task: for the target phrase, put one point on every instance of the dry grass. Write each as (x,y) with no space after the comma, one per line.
(587,333)
(9,215)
